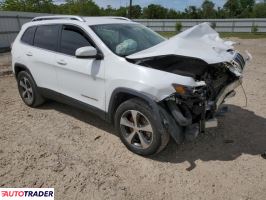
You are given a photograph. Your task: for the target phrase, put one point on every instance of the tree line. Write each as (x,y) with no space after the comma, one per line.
(231,9)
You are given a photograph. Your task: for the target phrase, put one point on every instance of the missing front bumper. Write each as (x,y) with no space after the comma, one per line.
(211,123)
(201,115)
(226,92)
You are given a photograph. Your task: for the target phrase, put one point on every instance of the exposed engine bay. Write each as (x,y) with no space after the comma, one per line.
(193,107)
(216,76)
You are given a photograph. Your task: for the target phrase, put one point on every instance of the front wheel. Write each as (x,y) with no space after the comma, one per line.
(138,128)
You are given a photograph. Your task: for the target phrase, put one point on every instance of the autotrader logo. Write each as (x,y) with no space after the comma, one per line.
(27,193)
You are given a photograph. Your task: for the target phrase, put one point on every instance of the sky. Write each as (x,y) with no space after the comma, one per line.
(175,4)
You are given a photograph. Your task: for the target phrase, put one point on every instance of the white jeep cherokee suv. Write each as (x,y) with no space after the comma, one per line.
(150,88)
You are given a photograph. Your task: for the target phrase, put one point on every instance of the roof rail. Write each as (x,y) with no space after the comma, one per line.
(122,18)
(54,17)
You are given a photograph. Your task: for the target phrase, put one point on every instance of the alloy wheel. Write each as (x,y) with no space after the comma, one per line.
(26,90)
(136,129)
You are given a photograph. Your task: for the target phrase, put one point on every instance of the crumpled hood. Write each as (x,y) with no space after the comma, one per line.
(200,41)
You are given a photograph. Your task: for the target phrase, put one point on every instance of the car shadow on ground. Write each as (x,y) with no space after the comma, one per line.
(79,114)
(240,132)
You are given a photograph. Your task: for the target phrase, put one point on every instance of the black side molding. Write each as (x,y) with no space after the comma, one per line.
(50,94)
(20,67)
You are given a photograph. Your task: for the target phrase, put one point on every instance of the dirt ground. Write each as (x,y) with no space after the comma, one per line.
(5,60)
(82,158)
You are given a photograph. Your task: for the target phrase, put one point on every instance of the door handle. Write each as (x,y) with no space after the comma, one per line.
(29,54)
(61,62)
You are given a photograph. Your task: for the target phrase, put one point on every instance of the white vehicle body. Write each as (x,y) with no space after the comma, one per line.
(101,77)
(94,81)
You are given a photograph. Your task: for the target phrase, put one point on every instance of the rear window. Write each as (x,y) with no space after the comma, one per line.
(46,37)
(28,35)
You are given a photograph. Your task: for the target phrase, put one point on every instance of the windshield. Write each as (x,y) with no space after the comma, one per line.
(125,39)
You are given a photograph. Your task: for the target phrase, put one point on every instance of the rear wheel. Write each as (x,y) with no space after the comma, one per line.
(138,128)
(28,90)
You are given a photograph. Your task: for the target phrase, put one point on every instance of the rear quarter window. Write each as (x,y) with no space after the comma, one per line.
(28,35)
(46,37)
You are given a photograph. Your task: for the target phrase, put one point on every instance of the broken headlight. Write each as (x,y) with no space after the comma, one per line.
(183,90)
(186,91)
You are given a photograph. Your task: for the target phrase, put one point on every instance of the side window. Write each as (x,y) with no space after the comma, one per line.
(28,35)
(46,37)
(72,38)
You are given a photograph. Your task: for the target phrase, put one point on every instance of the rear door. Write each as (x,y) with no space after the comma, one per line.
(42,56)
(79,78)
(23,49)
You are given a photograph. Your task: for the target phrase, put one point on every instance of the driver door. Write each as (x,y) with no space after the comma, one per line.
(79,78)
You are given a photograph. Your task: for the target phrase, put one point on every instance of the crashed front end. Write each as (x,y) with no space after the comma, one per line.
(213,63)
(195,108)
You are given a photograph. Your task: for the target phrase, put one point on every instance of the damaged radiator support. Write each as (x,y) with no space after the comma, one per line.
(184,117)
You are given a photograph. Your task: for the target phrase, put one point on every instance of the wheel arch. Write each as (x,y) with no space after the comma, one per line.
(120,95)
(18,67)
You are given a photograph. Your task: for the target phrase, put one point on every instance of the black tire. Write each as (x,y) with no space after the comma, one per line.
(31,97)
(155,141)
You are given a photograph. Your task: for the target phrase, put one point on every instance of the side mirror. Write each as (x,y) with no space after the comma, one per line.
(87,52)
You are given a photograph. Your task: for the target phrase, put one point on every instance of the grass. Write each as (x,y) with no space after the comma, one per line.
(225,35)
(244,35)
